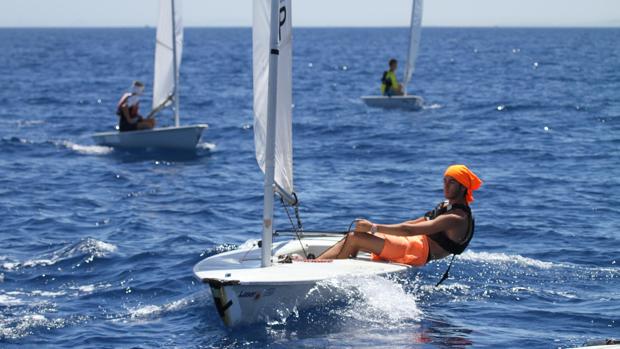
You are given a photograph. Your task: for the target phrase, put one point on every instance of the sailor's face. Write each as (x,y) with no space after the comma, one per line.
(452,189)
(394,66)
(137,89)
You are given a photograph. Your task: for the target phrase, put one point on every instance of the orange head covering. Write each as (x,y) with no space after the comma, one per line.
(467,178)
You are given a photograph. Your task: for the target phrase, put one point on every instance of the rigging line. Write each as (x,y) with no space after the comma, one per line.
(353,222)
(249,250)
(161,106)
(296,208)
(445,275)
(298,229)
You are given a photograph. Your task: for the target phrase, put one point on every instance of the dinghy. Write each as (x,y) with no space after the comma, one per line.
(177,138)
(168,50)
(259,281)
(406,101)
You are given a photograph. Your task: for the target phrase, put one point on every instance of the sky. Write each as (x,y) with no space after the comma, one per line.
(316,13)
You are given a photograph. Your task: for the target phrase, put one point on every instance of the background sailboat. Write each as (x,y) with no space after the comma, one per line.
(168,52)
(252,283)
(406,101)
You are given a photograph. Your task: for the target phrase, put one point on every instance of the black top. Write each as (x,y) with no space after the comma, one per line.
(441,238)
(123,124)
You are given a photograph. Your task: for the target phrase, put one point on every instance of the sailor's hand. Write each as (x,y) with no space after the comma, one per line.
(363,225)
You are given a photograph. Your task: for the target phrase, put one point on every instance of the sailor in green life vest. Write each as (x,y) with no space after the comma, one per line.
(389,84)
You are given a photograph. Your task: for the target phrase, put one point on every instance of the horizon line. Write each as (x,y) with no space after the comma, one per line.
(603,26)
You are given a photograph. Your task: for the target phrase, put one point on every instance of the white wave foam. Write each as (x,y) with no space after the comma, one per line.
(90,247)
(224,248)
(38,262)
(517,290)
(506,260)
(29,297)
(152,311)
(87,288)
(21,326)
(432,106)
(26,123)
(206,146)
(87,149)
(375,299)
(145,311)
(10,266)
(29,313)
(50,294)
(31,263)
(564,294)
(446,287)
(95,247)
(90,288)
(502,258)
(6,300)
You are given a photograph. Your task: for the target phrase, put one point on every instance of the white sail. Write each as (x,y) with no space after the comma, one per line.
(283,173)
(414,40)
(169,41)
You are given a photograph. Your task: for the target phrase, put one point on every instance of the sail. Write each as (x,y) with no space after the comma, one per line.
(414,40)
(168,30)
(283,174)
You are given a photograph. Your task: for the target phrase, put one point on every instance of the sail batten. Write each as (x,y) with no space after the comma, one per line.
(283,173)
(415,29)
(169,39)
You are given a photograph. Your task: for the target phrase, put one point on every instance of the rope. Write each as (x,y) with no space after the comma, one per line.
(248,251)
(297,229)
(353,222)
(299,225)
(445,275)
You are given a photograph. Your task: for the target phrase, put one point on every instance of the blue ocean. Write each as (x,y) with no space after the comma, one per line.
(97,244)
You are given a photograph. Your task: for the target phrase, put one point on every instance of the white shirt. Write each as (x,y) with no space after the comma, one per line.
(132,100)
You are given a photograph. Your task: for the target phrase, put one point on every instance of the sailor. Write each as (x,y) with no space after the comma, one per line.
(128,110)
(446,230)
(389,83)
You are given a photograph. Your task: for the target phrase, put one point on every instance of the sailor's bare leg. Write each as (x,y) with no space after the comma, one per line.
(146,124)
(333,251)
(352,244)
(356,242)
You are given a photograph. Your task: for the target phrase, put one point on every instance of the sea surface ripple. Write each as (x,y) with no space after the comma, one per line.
(97,245)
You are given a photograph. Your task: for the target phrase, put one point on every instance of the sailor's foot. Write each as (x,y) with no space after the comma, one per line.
(289,258)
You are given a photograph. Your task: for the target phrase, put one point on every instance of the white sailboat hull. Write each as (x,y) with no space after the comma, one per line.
(177,138)
(408,102)
(245,293)
(247,304)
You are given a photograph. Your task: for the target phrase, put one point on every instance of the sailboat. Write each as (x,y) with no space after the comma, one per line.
(405,101)
(168,50)
(259,281)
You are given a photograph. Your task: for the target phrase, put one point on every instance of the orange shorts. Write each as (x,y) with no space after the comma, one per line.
(412,250)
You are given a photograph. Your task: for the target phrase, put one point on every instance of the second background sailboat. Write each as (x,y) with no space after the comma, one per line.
(168,52)
(405,101)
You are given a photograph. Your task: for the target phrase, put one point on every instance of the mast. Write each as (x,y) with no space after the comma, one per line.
(174,65)
(269,186)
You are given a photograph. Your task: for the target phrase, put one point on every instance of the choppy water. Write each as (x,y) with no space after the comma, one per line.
(97,245)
